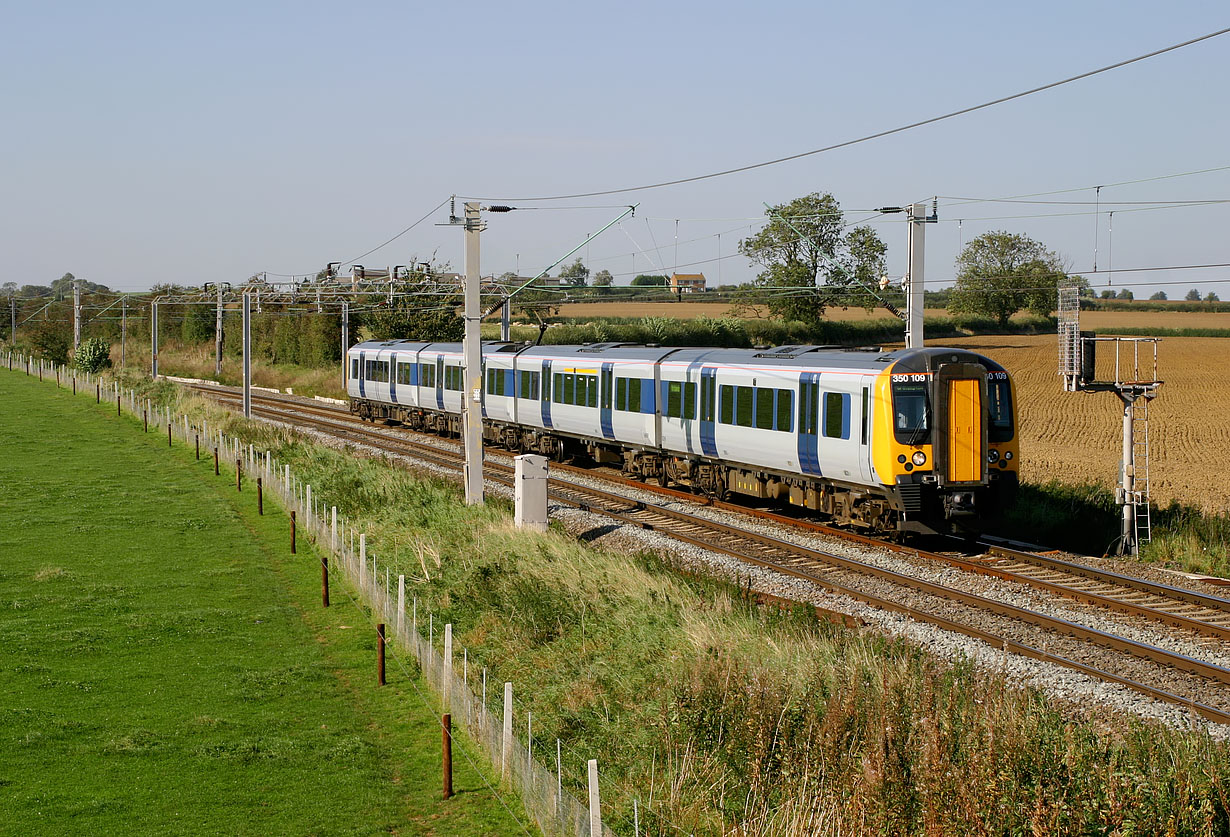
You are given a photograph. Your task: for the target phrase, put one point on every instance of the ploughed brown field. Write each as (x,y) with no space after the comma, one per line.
(1076,436)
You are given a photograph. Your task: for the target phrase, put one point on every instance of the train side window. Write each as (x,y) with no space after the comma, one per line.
(558,394)
(621,393)
(529,385)
(405,373)
(726,408)
(689,400)
(764,408)
(354,367)
(592,399)
(674,399)
(634,395)
(837,415)
(785,409)
(744,398)
(570,388)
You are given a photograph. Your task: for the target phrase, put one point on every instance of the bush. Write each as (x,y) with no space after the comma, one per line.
(92,355)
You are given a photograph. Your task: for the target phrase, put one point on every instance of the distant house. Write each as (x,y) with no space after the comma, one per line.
(687,283)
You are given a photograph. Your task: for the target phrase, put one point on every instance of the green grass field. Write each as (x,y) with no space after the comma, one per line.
(167,667)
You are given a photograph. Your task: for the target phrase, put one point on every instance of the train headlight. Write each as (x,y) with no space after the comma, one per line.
(1008,455)
(992,456)
(919,458)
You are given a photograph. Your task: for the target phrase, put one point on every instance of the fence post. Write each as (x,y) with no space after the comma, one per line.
(559,776)
(447,726)
(145,418)
(98,393)
(595,807)
(446,685)
(401,605)
(216,471)
(362,559)
(482,715)
(292,531)
(260,496)
(380,654)
(333,531)
(324,579)
(196,441)
(238,474)
(168,433)
(506,744)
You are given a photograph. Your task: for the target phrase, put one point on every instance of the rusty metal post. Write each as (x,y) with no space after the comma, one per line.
(168,433)
(292,531)
(196,441)
(98,392)
(216,471)
(117,402)
(145,419)
(324,579)
(74,383)
(260,496)
(238,474)
(380,654)
(447,727)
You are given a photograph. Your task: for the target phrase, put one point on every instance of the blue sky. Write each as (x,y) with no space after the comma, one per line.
(148,142)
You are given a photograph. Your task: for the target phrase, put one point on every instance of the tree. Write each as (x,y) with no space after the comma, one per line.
(1000,273)
(575,274)
(805,245)
(1193,295)
(603,279)
(1212,297)
(1108,295)
(1126,294)
(1160,295)
(649,280)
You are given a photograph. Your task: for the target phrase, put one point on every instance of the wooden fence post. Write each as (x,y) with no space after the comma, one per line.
(380,654)
(595,806)
(238,474)
(446,679)
(324,579)
(292,531)
(447,726)
(260,496)
(506,739)
(196,440)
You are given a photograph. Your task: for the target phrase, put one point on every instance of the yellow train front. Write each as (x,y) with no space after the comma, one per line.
(946,447)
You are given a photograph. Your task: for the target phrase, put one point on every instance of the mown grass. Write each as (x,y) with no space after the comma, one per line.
(167,667)
(723,718)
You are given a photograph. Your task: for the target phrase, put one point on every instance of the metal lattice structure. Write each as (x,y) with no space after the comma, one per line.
(1133,379)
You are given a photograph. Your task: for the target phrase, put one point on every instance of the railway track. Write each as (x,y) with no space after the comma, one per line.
(1155,671)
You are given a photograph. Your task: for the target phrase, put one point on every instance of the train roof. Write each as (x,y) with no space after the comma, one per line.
(860,358)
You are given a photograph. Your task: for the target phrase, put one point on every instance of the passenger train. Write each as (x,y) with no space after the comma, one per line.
(911,440)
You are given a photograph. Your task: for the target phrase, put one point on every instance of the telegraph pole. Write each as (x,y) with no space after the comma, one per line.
(247,355)
(13,320)
(914,290)
(123,330)
(472,415)
(345,343)
(76,316)
(153,331)
(218,337)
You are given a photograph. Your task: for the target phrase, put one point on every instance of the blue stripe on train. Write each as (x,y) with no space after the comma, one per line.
(607,379)
(546,401)
(708,434)
(362,375)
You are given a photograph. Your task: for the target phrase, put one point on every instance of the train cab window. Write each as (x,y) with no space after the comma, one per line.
(999,405)
(911,413)
(529,385)
(837,415)
(405,373)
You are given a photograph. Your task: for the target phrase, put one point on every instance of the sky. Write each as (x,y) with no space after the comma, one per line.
(154,142)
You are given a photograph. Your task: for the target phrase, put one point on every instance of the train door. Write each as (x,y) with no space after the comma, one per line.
(606,395)
(362,376)
(440,383)
(545,389)
(865,430)
(393,377)
(964,431)
(839,432)
(809,423)
(708,411)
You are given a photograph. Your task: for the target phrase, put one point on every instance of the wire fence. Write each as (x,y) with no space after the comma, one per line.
(345,550)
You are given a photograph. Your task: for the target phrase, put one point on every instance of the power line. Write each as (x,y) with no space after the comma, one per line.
(876,135)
